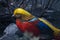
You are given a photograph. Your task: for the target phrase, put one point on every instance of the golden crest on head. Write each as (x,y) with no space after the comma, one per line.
(26,15)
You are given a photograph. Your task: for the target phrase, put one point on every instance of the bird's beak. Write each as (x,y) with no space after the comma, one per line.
(12,15)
